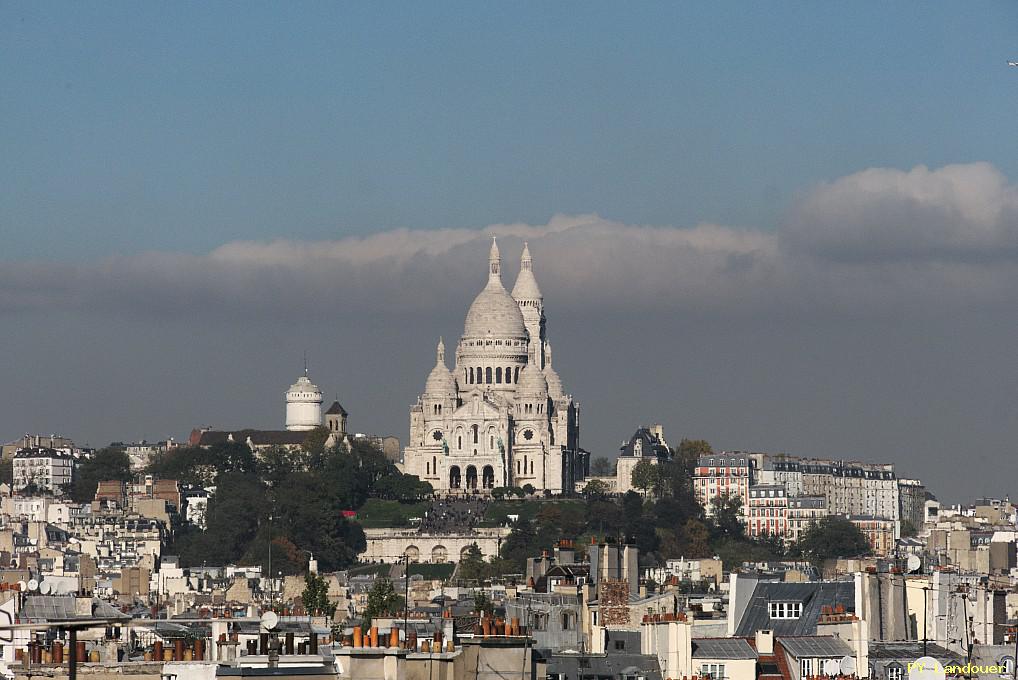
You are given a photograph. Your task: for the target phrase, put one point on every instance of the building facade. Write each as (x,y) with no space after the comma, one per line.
(767,513)
(501,416)
(803,511)
(43,469)
(717,474)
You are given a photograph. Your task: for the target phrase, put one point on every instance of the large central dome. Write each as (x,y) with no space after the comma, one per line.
(494,312)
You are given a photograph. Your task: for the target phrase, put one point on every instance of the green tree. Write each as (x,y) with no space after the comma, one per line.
(314,443)
(690,449)
(110,464)
(382,599)
(831,537)
(697,538)
(595,488)
(471,565)
(726,516)
(316,596)
(602,467)
(646,475)
(522,542)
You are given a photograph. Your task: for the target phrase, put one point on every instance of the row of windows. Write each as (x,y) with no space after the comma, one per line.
(784,610)
(485,376)
(488,343)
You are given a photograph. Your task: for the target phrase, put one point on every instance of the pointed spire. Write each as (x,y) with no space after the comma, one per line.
(494,263)
(440,353)
(305,363)
(526,287)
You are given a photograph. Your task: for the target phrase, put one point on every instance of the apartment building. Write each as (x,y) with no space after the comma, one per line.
(722,473)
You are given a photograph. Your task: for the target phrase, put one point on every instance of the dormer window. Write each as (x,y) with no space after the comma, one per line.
(784,610)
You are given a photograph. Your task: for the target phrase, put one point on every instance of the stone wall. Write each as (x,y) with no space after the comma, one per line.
(389,545)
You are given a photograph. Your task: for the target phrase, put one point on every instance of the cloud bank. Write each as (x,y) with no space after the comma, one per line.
(874,241)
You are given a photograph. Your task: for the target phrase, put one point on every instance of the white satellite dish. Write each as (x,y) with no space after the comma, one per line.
(914,563)
(22,586)
(832,667)
(45,587)
(270,620)
(33,585)
(848,665)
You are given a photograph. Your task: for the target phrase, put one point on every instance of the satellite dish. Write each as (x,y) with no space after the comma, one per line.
(45,587)
(832,667)
(914,563)
(270,620)
(33,585)
(848,665)
(22,586)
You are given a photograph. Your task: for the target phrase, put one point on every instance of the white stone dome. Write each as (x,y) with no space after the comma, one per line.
(555,389)
(532,380)
(526,287)
(440,380)
(494,312)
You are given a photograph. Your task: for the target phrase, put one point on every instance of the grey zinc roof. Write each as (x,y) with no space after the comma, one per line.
(62,608)
(722,648)
(815,647)
(813,597)
(910,651)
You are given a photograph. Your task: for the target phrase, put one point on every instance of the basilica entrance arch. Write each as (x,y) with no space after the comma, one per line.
(454,477)
(488,477)
(471,477)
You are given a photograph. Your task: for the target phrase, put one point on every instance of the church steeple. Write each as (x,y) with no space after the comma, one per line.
(440,351)
(494,264)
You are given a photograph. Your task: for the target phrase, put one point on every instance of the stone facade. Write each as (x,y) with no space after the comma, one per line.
(389,545)
(501,417)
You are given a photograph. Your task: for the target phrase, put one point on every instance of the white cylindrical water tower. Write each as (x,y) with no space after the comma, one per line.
(303,405)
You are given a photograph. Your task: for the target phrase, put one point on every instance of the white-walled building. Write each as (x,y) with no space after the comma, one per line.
(501,416)
(303,405)
(45,469)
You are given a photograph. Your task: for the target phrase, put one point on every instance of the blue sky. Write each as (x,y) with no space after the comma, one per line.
(180,126)
(193,194)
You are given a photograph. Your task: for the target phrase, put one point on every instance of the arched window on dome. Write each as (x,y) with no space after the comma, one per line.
(468,375)
(459,442)
(479,375)
(475,429)
(498,374)
(487,375)
(508,374)
(516,375)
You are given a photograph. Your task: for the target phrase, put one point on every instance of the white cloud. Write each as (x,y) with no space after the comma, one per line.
(955,213)
(872,241)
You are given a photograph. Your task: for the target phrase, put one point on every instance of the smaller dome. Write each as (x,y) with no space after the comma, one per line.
(555,389)
(532,381)
(526,287)
(304,386)
(440,380)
